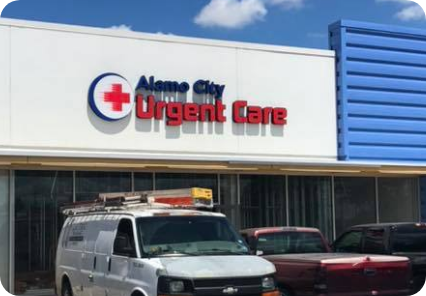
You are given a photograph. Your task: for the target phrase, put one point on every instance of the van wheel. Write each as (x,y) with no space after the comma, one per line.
(285,292)
(66,289)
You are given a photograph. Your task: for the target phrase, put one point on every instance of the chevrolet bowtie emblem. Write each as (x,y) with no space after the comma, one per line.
(230,291)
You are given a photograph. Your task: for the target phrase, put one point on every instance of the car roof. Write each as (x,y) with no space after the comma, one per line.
(387,225)
(264,230)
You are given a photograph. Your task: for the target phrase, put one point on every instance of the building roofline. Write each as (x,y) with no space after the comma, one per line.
(163,38)
(390,29)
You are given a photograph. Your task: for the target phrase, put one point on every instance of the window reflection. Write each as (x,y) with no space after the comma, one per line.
(88,185)
(228,203)
(355,200)
(143,181)
(263,201)
(310,203)
(398,200)
(423,198)
(38,198)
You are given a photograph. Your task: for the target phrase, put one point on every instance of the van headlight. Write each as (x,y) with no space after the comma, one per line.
(268,283)
(176,286)
(168,285)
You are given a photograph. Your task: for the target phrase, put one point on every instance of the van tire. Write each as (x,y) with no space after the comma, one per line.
(66,288)
(137,293)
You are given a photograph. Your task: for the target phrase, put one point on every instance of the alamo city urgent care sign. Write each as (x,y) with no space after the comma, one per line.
(111,98)
(86,92)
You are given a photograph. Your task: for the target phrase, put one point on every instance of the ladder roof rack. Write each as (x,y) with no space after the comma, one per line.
(194,198)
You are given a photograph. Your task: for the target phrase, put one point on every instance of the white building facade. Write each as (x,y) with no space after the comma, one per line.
(85,111)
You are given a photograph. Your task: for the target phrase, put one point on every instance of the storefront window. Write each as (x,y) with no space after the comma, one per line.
(310,203)
(263,200)
(38,198)
(143,181)
(176,181)
(228,202)
(355,202)
(88,185)
(423,198)
(398,200)
(4,228)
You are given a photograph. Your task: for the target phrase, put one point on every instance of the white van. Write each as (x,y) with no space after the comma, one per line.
(146,250)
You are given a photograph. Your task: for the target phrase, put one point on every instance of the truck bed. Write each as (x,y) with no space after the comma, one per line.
(343,274)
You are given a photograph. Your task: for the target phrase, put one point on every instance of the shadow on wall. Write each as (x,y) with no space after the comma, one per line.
(174,132)
(107,127)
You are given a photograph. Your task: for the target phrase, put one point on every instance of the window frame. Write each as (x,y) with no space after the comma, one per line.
(136,251)
(361,244)
(385,239)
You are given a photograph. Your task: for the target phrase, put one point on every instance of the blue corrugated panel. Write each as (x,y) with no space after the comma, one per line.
(381,91)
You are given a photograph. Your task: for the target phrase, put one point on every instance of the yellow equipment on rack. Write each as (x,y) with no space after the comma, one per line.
(173,198)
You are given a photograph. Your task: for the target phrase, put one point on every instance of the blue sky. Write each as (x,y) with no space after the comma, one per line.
(283,22)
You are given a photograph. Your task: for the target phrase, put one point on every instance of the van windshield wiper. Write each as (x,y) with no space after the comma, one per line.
(224,251)
(175,253)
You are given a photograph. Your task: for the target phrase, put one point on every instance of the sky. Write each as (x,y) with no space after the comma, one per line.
(301,23)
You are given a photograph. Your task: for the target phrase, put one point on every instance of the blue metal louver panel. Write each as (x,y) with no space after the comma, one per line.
(381,91)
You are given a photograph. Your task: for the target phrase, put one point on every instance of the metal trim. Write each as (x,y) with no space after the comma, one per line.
(287,202)
(377,200)
(12,231)
(333,207)
(219,200)
(238,190)
(153,181)
(132,181)
(74,198)
(419,200)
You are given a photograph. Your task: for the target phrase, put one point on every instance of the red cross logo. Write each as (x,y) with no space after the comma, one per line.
(117,97)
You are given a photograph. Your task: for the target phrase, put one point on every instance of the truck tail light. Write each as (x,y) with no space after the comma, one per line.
(320,285)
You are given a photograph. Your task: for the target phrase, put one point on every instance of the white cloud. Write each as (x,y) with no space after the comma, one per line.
(413,10)
(121,27)
(411,13)
(231,14)
(287,4)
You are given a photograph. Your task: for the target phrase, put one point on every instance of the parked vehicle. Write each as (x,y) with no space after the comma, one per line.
(145,244)
(305,265)
(402,239)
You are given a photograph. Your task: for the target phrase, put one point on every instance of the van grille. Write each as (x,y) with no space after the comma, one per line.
(215,287)
(203,283)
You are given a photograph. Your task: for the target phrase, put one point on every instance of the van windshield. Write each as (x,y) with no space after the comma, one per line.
(409,240)
(290,243)
(188,235)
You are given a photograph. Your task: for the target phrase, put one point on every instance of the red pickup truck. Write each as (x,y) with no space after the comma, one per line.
(305,265)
